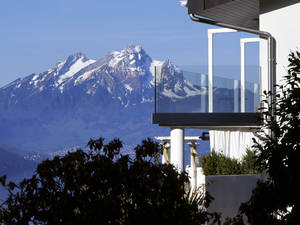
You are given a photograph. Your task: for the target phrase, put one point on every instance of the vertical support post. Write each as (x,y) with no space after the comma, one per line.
(243,42)
(242,76)
(193,148)
(272,72)
(166,152)
(203,96)
(210,64)
(177,148)
(236,95)
(210,72)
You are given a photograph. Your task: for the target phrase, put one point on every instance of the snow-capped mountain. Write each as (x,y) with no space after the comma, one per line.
(80,98)
(125,76)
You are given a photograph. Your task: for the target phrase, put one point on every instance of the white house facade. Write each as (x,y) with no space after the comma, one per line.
(279,18)
(275,24)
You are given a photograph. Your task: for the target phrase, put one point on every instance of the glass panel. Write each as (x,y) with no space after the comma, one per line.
(226,89)
(180,91)
(252,85)
(183,91)
(252,77)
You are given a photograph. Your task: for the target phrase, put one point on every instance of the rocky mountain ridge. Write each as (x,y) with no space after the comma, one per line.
(80,98)
(126,76)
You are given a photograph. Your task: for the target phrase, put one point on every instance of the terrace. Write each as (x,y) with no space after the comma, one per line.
(210,96)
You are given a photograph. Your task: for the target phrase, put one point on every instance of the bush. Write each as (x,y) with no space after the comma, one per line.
(218,164)
(209,163)
(250,163)
(102,186)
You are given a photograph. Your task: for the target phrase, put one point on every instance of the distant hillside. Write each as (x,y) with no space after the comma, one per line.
(79,99)
(12,163)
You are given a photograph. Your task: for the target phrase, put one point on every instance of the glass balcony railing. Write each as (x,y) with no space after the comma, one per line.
(183,91)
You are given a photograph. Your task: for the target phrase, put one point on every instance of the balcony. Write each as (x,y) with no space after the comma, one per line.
(185,97)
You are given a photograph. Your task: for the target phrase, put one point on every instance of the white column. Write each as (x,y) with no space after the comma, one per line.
(242,76)
(243,42)
(211,32)
(210,72)
(194,156)
(236,95)
(177,148)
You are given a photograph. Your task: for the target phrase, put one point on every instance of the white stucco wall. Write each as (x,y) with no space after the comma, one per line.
(283,25)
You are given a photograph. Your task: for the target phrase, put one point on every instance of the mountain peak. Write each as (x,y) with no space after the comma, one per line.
(76,56)
(134,48)
(133,56)
(124,73)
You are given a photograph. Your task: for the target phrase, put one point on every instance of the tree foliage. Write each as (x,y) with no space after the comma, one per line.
(102,186)
(276,199)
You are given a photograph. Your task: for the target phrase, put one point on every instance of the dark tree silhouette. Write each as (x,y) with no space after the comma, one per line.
(102,186)
(276,199)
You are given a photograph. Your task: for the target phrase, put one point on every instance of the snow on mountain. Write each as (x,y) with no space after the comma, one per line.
(127,76)
(60,74)
(80,98)
(76,67)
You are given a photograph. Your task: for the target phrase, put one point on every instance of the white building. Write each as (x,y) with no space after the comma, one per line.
(275,22)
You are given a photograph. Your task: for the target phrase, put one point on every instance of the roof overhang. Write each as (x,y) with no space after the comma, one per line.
(242,13)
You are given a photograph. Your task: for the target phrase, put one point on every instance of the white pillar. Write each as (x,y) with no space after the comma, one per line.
(194,157)
(200,179)
(211,32)
(242,76)
(177,148)
(243,41)
(210,72)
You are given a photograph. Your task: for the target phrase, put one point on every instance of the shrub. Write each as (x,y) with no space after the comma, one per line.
(102,186)
(228,166)
(218,164)
(209,163)
(250,163)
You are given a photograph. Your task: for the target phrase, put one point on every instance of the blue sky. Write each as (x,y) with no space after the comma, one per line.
(36,34)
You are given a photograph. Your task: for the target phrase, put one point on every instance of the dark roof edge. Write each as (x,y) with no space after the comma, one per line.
(195,6)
